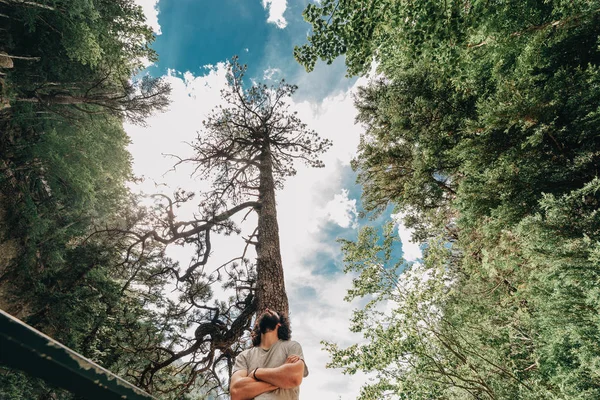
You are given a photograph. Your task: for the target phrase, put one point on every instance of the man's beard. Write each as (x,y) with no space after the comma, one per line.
(268,322)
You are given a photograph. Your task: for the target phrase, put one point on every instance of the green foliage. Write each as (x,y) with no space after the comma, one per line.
(63,173)
(416,346)
(562,245)
(86,55)
(55,189)
(15,385)
(105,32)
(482,130)
(343,27)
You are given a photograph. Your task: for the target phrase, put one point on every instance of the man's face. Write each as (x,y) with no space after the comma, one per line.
(268,321)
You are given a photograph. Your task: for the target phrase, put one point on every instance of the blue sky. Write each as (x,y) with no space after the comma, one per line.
(196,33)
(316,206)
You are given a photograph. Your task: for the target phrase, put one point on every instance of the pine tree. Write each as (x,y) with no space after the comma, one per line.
(246,149)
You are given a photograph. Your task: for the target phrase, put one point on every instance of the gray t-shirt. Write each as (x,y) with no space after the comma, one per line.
(272,358)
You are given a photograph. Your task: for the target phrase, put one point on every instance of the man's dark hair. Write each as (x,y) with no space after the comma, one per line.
(267,322)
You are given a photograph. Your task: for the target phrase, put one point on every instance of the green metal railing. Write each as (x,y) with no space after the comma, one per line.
(29,350)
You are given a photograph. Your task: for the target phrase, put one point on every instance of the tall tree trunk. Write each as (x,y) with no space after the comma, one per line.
(54,99)
(270,286)
(28,3)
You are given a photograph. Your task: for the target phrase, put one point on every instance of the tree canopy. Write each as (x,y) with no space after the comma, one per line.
(66,85)
(482,130)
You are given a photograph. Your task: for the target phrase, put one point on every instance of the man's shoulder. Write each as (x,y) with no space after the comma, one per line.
(286,344)
(291,345)
(247,351)
(289,342)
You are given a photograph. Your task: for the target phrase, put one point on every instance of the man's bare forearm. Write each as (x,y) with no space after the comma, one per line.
(248,388)
(287,376)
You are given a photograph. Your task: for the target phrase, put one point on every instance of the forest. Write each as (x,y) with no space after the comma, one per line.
(479,129)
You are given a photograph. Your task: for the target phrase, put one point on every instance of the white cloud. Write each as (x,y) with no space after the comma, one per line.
(342,210)
(276,9)
(333,118)
(411,250)
(308,200)
(150,9)
(169,133)
(270,73)
(146,62)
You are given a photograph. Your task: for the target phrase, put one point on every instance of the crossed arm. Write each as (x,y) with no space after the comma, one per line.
(289,375)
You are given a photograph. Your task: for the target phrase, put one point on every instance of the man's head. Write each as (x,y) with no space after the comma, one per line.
(270,321)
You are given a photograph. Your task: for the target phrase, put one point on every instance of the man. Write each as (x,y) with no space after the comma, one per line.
(273,369)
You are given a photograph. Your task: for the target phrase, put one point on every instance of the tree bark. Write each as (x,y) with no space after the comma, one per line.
(26,58)
(54,99)
(270,285)
(28,3)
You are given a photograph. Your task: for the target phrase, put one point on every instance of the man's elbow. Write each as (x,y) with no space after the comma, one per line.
(296,380)
(291,382)
(235,393)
